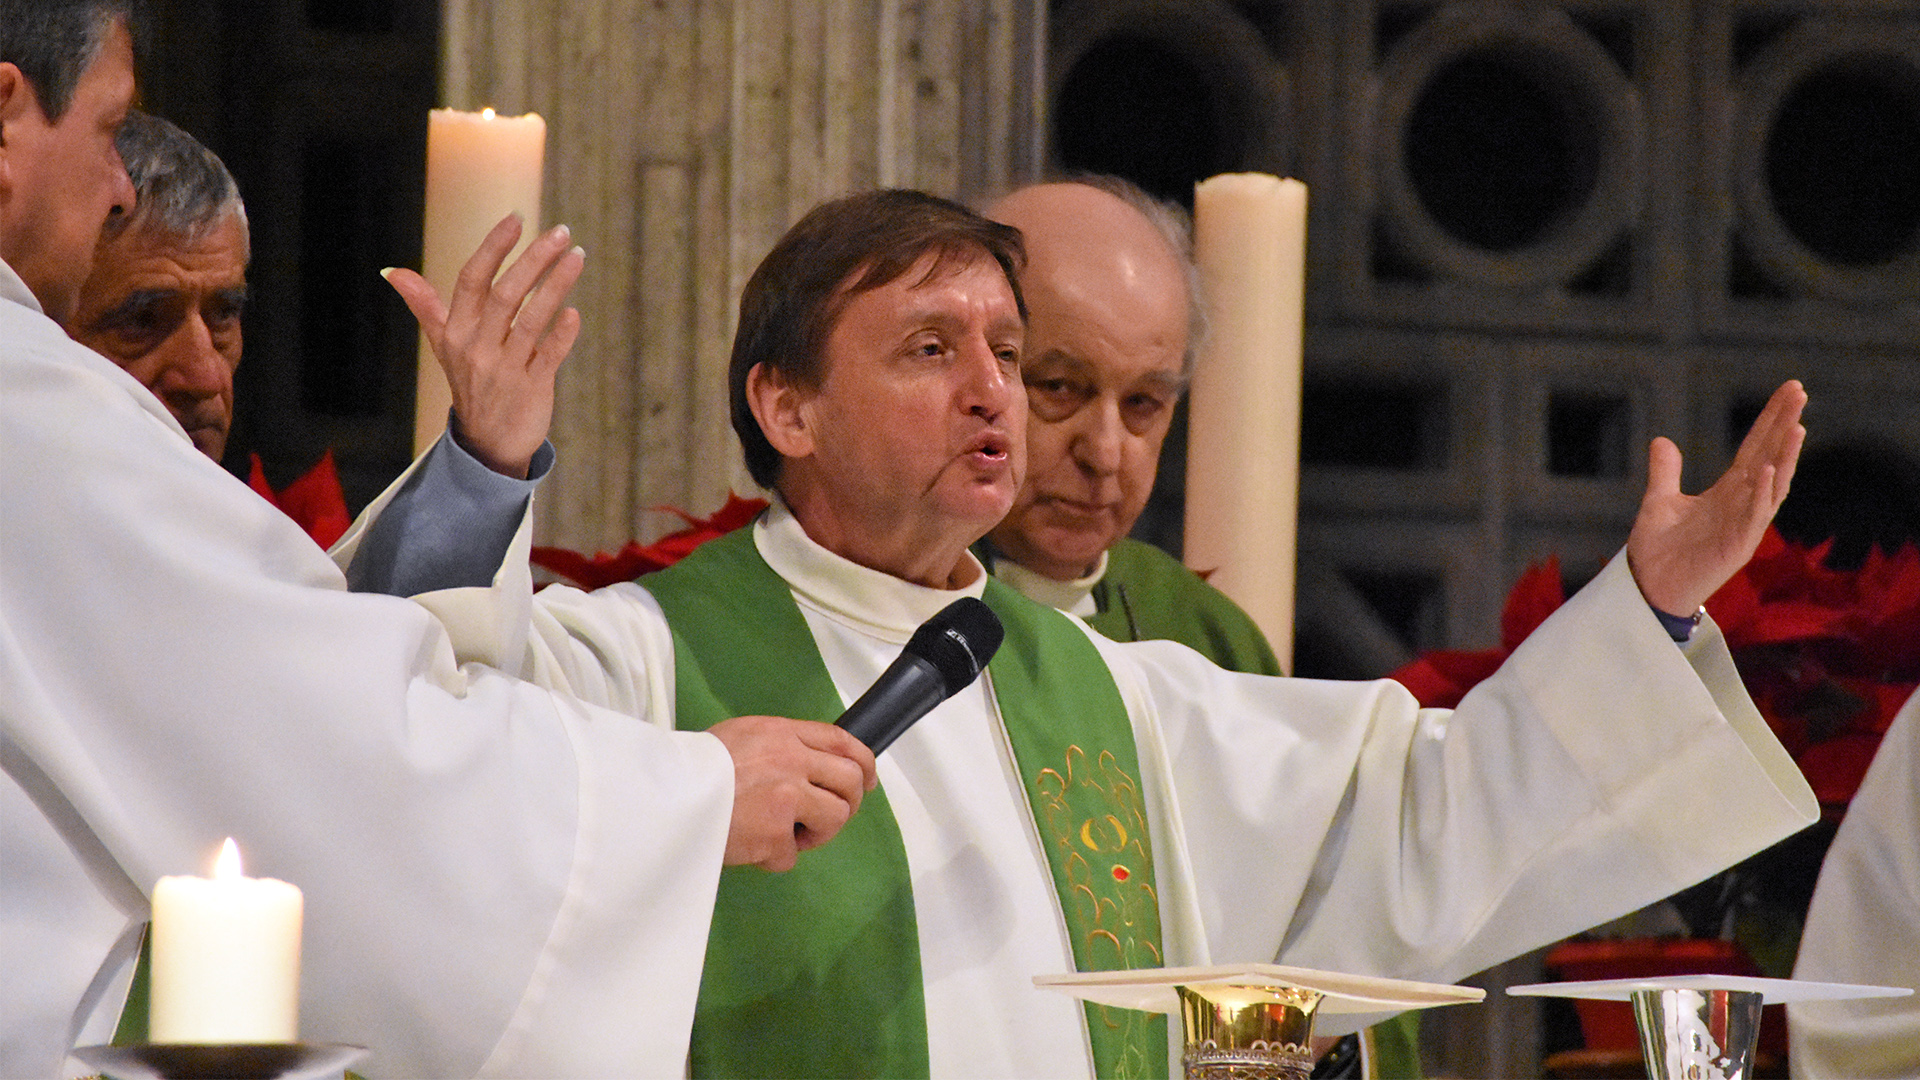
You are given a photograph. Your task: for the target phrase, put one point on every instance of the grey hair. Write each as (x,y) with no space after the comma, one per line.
(181,186)
(54,42)
(1175,226)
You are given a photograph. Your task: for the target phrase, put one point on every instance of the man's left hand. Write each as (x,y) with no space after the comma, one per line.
(1683,547)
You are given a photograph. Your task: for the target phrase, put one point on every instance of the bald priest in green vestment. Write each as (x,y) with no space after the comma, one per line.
(1113,322)
(1092,804)
(1113,318)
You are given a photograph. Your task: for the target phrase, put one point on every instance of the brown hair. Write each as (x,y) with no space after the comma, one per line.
(839,250)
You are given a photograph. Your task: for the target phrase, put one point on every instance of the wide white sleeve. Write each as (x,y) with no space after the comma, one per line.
(608,647)
(498,880)
(1864,924)
(485,624)
(1340,826)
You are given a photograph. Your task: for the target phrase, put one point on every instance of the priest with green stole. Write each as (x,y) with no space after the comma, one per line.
(1114,320)
(1090,804)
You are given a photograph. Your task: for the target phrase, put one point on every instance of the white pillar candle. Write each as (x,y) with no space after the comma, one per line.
(480,168)
(1243,448)
(226,957)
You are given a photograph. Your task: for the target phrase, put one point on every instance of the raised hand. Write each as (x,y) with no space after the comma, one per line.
(795,783)
(1683,547)
(501,341)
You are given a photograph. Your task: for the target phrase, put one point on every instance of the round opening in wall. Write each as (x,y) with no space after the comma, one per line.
(1132,107)
(1498,155)
(1843,161)
(1825,159)
(1509,143)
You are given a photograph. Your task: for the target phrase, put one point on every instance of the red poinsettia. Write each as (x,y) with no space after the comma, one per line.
(314,501)
(1827,655)
(634,559)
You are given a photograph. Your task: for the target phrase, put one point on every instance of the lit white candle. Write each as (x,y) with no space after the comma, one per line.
(1243,449)
(226,957)
(480,168)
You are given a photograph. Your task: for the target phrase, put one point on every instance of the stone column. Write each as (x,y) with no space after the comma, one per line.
(684,136)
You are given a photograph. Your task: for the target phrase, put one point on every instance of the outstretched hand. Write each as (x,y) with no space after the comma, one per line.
(1683,547)
(501,342)
(795,783)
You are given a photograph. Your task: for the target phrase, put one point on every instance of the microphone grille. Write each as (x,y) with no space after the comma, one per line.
(958,641)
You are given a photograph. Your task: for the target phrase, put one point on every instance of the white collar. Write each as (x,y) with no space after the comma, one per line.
(14,289)
(1074,597)
(867,600)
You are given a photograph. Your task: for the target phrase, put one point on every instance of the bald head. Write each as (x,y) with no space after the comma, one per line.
(1121,261)
(1107,293)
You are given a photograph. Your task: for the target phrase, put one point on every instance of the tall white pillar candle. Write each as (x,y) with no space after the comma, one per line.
(1243,449)
(480,167)
(226,958)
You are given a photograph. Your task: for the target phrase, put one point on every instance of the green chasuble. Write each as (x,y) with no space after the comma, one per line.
(1147,595)
(816,972)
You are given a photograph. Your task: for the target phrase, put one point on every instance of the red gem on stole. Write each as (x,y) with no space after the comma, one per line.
(1121,873)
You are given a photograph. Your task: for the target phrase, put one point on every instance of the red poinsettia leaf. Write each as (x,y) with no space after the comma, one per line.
(1538,594)
(1438,679)
(599,570)
(1734,607)
(1788,621)
(736,513)
(1888,649)
(317,503)
(1428,686)
(314,501)
(562,562)
(257,480)
(1874,567)
(1780,570)
(634,560)
(1887,700)
(1891,585)
(673,547)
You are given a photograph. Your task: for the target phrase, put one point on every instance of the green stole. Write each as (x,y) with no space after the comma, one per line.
(816,972)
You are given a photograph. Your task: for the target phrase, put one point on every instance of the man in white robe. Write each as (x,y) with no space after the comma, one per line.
(1330,825)
(498,880)
(1864,924)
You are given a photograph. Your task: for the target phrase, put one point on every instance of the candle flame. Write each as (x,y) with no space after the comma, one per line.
(486,113)
(227,866)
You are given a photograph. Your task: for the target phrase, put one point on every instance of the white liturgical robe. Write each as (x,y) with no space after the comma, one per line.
(1328,825)
(498,880)
(1864,924)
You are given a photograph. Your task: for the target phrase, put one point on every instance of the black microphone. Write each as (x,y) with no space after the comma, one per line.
(946,653)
